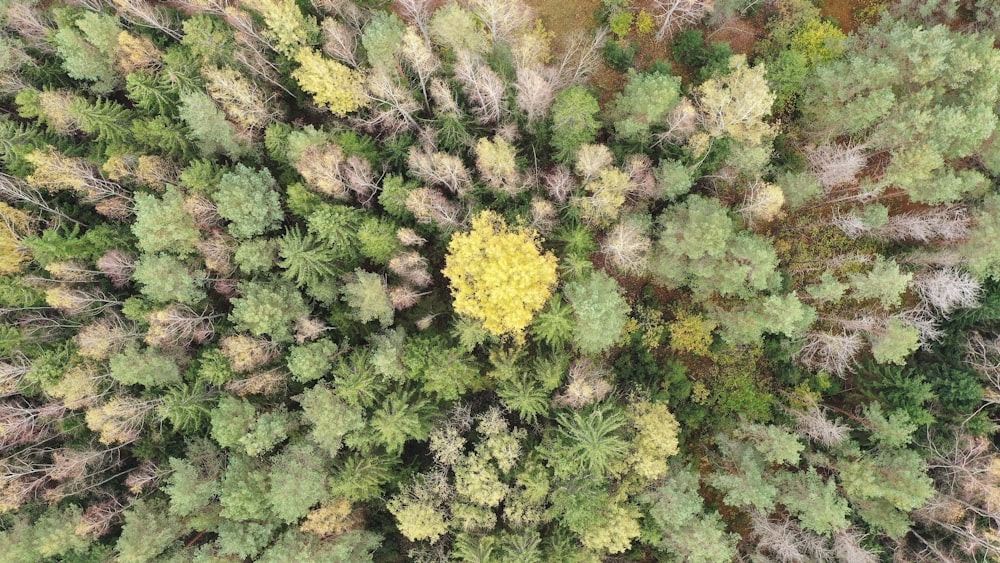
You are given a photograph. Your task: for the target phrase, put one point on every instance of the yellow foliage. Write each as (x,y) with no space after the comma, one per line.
(135,53)
(332,84)
(17,223)
(655,440)
(330,519)
(607,196)
(613,531)
(644,23)
(691,334)
(819,41)
(287,26)
(499,276)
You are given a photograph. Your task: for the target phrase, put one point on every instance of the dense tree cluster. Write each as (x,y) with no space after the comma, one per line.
(349,281)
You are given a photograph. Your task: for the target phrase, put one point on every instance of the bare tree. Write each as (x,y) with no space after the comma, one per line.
(118,266)
(626,247)
(675,15)
(393,104)
(419,57)
(588,383)
(502,18)
(340,42)
(440,169)
(145,14)
(836,165)
(360,179)
(947,289)
(834,353)
(937,224)
(417,11)
(847,547)
(16,190)
(559,183)
(813,423)
(412,267)
(179,326)
(581,56)
(431,206)
(485,90)
(534,94)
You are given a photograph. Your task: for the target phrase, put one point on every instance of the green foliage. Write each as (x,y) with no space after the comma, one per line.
(644,105)
(311,361)
(268,309)
(298,481)
(87,47)
(367,296)
(573,121)
(161,224)
(149,529)
(208,128)
(165,279)
(706,59)
(249,200)
(600,312)
(330,417)
(147,367)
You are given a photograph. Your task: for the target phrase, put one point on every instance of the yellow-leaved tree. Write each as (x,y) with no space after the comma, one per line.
(499,275)
(330,83)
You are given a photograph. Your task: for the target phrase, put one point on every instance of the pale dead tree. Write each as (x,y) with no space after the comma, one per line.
(204,212)
(947,289)
(393,105)
(412,267)
(14,189)
(847,547)
(502,18)
(179,326)
(79,302)
(940,257)
(419,58)
(97,519)
(834,353)
(676,15)
(852,224)
(534,94)
(251,56)
(12,371)
(924,319)
(783,539)
(360,179)
(404,297)
(246,353)
(641,179)
(484,89)
(340,42)
(938,224)
(308,329)
(408,237)
(443,98)
(581,56)
(121,419)
(440,169)
(544,215)
(626,247)
(836,165)
(147,476)
(217,252)
(416,11)
(983,355)
(213,7)
(762,201)
(429,205)
(812,422)
(145,14)
(261,383)
(105,337)
(559,184)
(21,423)
(588,383)
(32,24)
(118,266)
